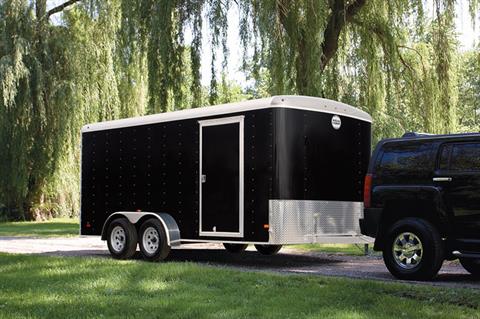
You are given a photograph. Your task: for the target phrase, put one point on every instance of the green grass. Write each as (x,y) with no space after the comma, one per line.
(53,287)
(348,249)
(51,228)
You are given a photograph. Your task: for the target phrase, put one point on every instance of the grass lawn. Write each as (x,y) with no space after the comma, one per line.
(348,249)
(54,287)
(54,227)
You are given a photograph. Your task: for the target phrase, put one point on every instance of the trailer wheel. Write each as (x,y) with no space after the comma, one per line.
(121,239)
(235,248)
(472,265)
(268,249)
(153,240)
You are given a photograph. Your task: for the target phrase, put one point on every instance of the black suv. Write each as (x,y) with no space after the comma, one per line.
(422,203)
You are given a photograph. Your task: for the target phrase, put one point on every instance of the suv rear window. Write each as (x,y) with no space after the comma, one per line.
(411,158)
(461,157)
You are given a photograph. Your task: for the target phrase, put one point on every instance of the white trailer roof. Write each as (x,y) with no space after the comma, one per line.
(286,101)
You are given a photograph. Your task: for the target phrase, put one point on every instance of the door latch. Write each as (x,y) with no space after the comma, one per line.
(204,178)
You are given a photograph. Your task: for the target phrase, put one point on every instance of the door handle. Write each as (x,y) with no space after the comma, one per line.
(442,179)
(204,178)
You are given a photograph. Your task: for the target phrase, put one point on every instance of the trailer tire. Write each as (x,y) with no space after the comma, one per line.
(153,240)
(268,249)
(121,239)
(235,248)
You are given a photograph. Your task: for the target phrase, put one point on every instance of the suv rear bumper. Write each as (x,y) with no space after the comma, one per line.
(370,221)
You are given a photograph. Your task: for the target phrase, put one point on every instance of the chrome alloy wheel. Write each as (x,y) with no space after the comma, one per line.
(407,250)
(151,240)
(118,239)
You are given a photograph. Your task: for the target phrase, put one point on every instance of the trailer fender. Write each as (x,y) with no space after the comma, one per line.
(168,222)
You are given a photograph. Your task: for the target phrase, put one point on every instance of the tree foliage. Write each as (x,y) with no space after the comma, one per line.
(89,60)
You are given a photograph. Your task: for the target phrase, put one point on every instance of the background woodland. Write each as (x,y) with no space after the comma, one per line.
(81,61)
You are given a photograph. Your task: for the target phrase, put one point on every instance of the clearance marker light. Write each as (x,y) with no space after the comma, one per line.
(367,191)
(266,226)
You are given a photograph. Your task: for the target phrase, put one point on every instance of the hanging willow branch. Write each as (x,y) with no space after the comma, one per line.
(61,7)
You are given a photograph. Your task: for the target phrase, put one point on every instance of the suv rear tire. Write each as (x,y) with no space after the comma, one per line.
(413,250)
(472,265)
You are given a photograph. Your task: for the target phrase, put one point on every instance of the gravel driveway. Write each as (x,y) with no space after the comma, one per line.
(287,261)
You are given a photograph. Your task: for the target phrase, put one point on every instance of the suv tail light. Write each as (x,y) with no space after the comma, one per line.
(367,191)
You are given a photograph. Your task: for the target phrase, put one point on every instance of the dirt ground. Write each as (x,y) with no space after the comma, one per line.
(287,261)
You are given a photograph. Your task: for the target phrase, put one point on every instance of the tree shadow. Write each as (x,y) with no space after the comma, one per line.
(251,259)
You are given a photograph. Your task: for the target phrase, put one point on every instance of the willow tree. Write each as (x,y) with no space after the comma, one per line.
(387,57)
(379,55)
(97,60)
(56,77)
(35,107)
(469,92)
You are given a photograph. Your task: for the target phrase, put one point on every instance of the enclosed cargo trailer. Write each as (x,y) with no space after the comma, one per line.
(270,172)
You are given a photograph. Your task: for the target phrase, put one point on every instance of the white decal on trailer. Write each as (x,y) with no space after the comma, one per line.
(336,122)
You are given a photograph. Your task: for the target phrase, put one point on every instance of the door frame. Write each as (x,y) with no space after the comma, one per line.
(214,122)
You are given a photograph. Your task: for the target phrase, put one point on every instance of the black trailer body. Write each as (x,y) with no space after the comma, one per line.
(281,170)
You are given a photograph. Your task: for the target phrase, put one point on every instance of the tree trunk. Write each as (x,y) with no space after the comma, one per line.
(302,79)
(340,15)
(34,193)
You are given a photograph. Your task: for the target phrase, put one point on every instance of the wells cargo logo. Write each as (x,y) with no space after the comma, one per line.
(336,122)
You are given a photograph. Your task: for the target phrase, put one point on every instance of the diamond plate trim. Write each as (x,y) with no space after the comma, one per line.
(308,221)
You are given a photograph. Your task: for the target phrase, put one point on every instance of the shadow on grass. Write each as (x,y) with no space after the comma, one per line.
(36,286)
(290,263)
(249,259)
(284,263)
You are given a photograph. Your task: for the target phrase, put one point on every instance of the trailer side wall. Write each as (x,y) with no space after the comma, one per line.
(155,167)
